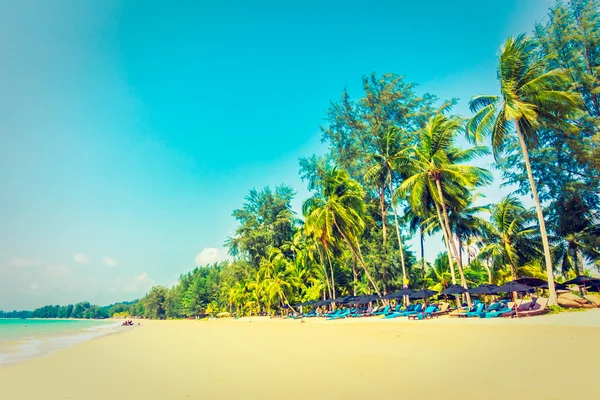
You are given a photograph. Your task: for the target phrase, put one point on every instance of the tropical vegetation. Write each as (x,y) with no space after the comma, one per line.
(401,164)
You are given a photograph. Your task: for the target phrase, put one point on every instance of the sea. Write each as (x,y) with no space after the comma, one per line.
(22,339)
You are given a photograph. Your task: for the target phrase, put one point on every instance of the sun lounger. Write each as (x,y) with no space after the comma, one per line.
(537,309)
(462,312)
(444,308)
(424,314)
(416,309)
(477,310)
(341,315)
(398,308)
(409,308)
(383,311)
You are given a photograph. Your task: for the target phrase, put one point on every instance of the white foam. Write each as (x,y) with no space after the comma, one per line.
(30,347)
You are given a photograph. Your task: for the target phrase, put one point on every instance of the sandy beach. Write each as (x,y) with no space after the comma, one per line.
(548,357)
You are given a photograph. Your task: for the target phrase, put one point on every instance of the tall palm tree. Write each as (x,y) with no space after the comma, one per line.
(437,166)
(390,153)
(509,238)
(338,211)
(530,95)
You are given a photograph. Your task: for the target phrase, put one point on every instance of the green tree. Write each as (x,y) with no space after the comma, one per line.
(509,238)
(530,95)
(339,209)
(437,170)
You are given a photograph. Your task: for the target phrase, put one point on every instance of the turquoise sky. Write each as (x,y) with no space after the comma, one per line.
(129,132)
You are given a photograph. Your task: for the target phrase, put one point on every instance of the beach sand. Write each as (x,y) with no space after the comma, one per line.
(548,357)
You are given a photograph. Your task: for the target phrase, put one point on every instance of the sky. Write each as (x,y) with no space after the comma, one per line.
(130,132)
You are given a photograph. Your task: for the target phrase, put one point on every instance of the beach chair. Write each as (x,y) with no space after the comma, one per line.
(477,310)
(398,308)
(383,311)
(409,308)
(362,313)
(537,309)
(341,315)
(333,313)
(491,308)
(417,308)
(427,313)
(443,308)
(505,310)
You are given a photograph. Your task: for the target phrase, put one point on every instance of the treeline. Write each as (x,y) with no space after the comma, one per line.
(82,309)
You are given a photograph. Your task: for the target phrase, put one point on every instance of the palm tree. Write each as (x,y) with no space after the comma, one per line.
(338,210)
(388,157)
(529,96)
(436,167)
(509,238)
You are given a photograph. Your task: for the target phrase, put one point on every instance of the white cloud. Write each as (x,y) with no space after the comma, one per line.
(34,286)
(20,262)
(58,270)
(109,262)
(140,284)
(208,256)
(81,258)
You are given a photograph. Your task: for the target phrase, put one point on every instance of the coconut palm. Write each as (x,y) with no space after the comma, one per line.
(337,211)
(510,238)
(530,95)
(389,156)
(437,166)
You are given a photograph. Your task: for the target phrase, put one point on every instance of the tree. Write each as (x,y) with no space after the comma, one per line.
(338,209)
(154,302)
(388,157)
(437,170)
(529,97)
(266,220)
(510,238)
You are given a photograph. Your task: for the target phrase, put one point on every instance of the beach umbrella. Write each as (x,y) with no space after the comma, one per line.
(366,299)
(514,288)
(343,299)
(400,293)
(453,289)
(423,294)
(533,282)
(583,280)
(484,288)
(558,286)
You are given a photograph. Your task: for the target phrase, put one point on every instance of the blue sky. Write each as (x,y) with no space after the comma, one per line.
(129,132)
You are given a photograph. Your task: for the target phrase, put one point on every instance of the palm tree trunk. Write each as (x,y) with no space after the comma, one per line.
(540,215)
(580,265)
(449,253)
(287,302)
(324,270)
(459,245)
(463,281)
(489,270)
(358,257)
(580,261)
(382,206)
(331,270)
(422,254)
(355,276)
(404,280)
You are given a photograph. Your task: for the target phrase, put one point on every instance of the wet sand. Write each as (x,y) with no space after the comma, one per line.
(548,357)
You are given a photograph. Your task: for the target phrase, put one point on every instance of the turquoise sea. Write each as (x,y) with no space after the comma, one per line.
(28,338)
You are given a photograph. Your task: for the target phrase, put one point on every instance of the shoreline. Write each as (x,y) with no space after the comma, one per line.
(42,344)
(541,357)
